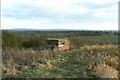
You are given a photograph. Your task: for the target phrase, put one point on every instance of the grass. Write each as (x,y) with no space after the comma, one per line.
(91,40)
(60,68)
(80,63)
(110,38)
(89,57)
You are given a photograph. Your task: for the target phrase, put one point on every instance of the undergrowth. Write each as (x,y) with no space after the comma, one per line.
(81,63)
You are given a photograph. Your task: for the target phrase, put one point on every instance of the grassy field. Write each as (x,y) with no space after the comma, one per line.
(27,56)
(109,38)
(86,62)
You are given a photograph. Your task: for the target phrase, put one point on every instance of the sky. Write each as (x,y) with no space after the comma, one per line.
(60,14)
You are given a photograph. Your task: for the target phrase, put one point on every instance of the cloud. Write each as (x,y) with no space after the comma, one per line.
(59,13)
(12,23)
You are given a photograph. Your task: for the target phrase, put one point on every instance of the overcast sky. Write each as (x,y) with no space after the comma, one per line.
(60,14)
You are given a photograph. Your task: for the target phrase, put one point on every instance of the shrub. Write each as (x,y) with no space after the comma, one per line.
(34,44)
(11,39)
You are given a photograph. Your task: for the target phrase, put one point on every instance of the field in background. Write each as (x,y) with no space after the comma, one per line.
(92,54)
(108,38)
(37,39)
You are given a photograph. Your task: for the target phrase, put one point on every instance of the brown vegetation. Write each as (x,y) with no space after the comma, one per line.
(100,61)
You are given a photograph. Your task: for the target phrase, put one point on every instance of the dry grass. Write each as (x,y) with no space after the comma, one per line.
(104,71)
(101,61)
(16,60)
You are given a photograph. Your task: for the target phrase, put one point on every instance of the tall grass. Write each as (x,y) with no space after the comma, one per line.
(79,63)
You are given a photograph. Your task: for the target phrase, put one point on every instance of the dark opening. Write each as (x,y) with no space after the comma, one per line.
(56,43)
(63,43)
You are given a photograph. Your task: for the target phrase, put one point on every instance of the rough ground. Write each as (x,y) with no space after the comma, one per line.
(88,61)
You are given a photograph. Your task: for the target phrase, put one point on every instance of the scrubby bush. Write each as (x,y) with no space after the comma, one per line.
(11,39)
(14,40)
(34,44)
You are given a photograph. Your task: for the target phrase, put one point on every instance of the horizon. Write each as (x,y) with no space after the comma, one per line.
(27,29)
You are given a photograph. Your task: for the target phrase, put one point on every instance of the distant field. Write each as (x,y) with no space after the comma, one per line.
(30,39)
(91,35)
(112,38)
